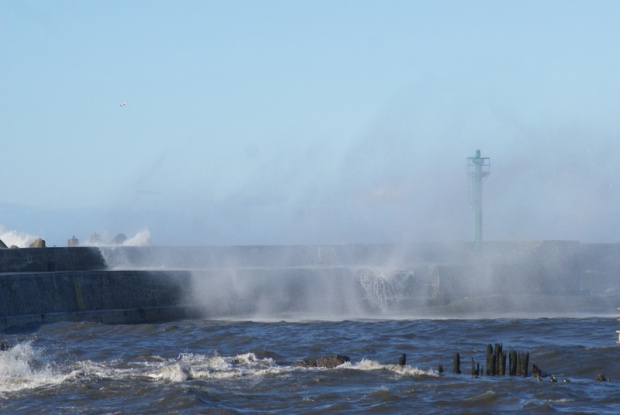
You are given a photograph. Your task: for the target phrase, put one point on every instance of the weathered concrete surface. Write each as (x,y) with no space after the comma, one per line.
(104,296)
(51,259)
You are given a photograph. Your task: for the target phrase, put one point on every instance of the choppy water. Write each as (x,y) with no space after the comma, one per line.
(227,367)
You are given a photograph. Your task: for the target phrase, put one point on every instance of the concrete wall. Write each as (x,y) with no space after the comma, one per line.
(120,285)
(285,256)
(105,296)
(544,253)
(50,259)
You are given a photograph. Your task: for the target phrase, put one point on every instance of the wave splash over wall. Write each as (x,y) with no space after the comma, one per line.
(284,282)
(306,293)
(12,237)
(541,278)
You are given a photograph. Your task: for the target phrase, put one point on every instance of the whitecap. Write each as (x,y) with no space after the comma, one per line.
(366,364)
(23,367)
(172,373)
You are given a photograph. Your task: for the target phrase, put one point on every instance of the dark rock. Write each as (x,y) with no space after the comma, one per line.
(262,353)
(601,378)
(326,361)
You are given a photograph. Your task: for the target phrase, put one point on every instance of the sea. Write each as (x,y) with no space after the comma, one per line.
(251,366)
(244,355)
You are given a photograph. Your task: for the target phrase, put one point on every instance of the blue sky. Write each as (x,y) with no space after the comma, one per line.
(279,122)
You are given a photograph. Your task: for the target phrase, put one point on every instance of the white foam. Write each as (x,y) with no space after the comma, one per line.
(12,237)
(23,367)
(172,373)
(196,366)
(407,370)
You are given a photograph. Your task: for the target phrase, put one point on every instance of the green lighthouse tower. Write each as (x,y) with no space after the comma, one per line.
(478,168)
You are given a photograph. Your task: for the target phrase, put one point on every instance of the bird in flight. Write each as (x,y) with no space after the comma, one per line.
(123,104)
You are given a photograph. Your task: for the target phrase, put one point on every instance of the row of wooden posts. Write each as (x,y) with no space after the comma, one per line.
(496,363)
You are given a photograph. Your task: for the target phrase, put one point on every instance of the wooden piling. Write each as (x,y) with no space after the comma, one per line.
(526,363)
(457,364)
(518,363)
(490,360)
(512,363)
(523,362)
(502,364)
(497,356)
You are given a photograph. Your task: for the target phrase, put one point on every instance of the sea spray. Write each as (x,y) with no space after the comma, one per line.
(382,288)
(16,238)
(24,367)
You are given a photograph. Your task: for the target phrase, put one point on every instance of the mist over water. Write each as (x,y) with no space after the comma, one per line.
(385,281)
(416,280)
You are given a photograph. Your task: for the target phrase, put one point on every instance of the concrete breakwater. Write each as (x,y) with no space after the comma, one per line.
(147,284)
(50,259)
(103,296)
(41,285)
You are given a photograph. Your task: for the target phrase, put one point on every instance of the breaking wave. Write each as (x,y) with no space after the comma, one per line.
(24,367)
(16,238)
